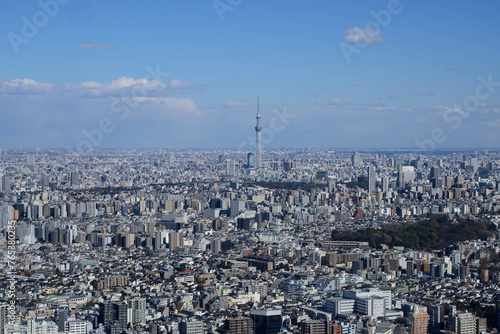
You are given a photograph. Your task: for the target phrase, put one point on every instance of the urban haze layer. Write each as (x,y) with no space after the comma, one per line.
(230,241)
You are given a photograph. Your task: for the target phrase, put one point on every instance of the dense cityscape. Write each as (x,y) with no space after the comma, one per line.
(203,241)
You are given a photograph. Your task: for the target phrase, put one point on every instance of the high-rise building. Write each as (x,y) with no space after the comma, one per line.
(106,313)
(174,241)
(474,163)
(238,325)
(251,160)
(30,162)
(76,327)
(115,327)
(419,323)
(216,245)
(316,327)
(4,311)
(5,215)
(481,325)
(32,327)
(191,327)
(435,173)
(121,312)
(237,206)
(111,312)
(266,321)
(371,302)
(463,323)
(401,180)
(62,318)
(231,168)
(436,318)
(372,180)
(5,184)
(356,159)
(75,179)
(485,275)
(26,233)
(385,184)
(258,129)
(138,310)
(44,180)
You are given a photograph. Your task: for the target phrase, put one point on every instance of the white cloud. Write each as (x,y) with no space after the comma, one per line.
(25,87)
(363,36)
(179,84)
(171,105)
(91,84)
(485,108)
(442,110)
(92,89)
(95,97)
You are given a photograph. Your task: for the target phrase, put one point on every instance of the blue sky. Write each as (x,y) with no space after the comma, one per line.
(341,77)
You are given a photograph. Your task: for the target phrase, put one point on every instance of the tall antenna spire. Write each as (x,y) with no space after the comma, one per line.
(258,128)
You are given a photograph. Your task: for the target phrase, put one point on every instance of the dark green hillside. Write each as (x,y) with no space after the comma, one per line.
(430,234)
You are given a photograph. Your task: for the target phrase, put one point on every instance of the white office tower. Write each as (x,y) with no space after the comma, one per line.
(231,168)
(32,327)
(385,184)
(356,159)
(371,302)
(463,323)
(64,213)
(161,238)
(26,234)
(78,327)
(408,173)
(30,162)
(5,215)
(138,310)
(372,180)
(258,129)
